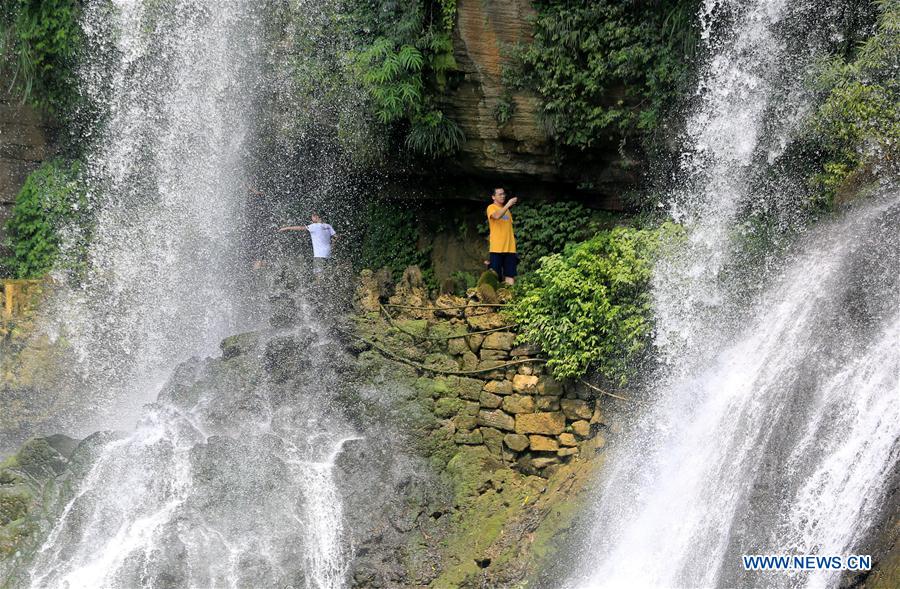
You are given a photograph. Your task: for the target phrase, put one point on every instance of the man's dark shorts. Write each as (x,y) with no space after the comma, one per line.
(504,264)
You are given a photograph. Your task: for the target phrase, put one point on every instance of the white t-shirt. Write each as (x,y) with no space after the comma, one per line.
(321,239)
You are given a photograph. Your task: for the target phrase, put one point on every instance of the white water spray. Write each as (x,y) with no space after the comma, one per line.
(774,433)
(175,82)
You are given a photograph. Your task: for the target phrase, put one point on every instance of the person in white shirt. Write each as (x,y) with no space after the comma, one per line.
(322,235)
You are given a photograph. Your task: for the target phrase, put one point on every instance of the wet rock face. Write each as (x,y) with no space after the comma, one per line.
(487,32)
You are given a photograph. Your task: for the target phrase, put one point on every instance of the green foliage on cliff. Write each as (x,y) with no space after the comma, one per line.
(39,42)
(51,208)
(589,307)
(544,228)
(404,62)
(391,239)
(858,121)
(605,68)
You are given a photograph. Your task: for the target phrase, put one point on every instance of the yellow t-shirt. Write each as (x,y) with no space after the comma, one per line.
(502,239)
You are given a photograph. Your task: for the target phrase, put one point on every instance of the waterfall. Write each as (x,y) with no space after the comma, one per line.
(227,479)
(774,426)
(174,83)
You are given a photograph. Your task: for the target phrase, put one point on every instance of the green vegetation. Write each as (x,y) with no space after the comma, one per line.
(404,63)
(51,208)
(544,228)
(857,124)
(391,239)
(588,308)
(607,68)
(39,43)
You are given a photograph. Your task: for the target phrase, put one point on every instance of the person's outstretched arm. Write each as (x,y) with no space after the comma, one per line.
(501,212)
(294,228)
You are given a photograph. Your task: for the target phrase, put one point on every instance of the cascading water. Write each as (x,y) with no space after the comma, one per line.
(227,480)
(175,83)
(774,428)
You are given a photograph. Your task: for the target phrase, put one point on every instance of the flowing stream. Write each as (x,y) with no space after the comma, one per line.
(774,427)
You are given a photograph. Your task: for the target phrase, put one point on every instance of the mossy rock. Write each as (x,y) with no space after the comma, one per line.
(435,387)
(490,278)
(448,407)
(13,505)
(418,328)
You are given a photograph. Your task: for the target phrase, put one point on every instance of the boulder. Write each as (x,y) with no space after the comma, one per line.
(493,440)
(518,404)
(576,409)
(542,444)
(471,438)
(498,387)
(435,387)
(466,422)
(497,419)
(483,321)
(525,384)
(544,461)
(470,408)
(489,400)
(563,452)
(550,386)
(439,361)
(567,439)
(499,340)
(417,328)
(447,407)
(487,294)
(546,423)
(468,362)
(516,442)
(581,428)
(453,306)
(411,291)
(457,346)
(366,299)
(490,278)
(486,365)
(487,354)
(544,403)
(529,350)
(469,388)
(475,342)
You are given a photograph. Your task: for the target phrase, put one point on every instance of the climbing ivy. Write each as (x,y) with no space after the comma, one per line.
(589,307)
(39,44)
(604,68)
(391,239)
(52,205)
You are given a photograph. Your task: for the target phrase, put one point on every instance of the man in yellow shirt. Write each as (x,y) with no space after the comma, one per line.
(503,258)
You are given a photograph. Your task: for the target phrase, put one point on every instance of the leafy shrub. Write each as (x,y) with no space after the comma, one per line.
(589,307)
(404,64)
(52,204)
(39,43)
(858,120)
(604,67)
